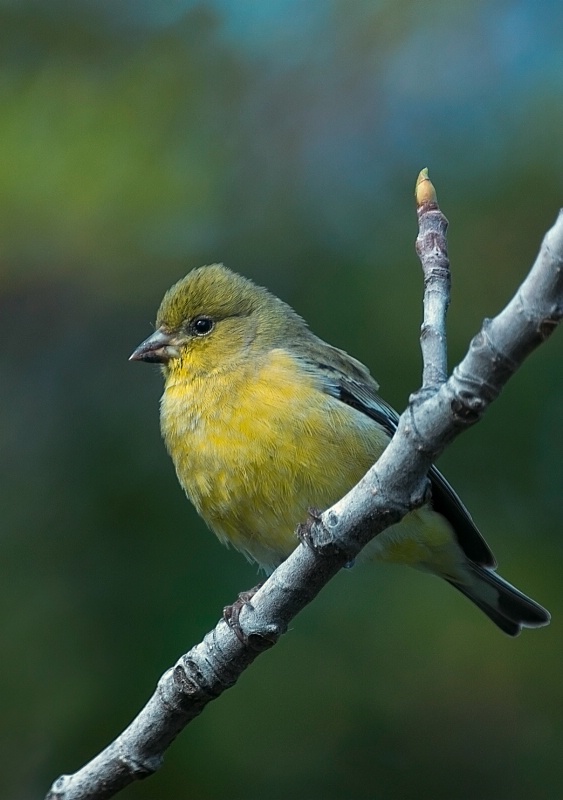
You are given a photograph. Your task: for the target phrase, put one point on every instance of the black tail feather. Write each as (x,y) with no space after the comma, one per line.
(505,605)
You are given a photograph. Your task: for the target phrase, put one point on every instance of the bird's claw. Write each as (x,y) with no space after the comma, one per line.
(231,613)
(305,529)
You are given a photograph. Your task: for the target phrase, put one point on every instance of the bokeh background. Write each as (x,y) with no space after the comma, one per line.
(283,137)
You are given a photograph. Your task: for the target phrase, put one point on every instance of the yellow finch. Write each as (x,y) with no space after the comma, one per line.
(264,420)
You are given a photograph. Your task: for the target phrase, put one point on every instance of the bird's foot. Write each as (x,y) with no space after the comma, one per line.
(317,537)
(231,614)
(305,529)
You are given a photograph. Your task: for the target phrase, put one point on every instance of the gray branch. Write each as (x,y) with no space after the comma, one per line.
(395,485)
(432,249)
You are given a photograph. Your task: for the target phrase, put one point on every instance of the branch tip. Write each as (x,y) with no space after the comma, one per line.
(424,190)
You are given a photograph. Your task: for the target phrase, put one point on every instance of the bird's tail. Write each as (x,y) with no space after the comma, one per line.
(502,603)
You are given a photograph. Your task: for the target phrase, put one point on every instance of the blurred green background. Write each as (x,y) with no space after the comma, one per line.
(283,137)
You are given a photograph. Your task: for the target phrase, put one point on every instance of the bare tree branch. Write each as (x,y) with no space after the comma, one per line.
(395,485)
(432,249)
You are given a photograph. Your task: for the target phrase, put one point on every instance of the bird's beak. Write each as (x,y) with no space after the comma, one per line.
(158,348)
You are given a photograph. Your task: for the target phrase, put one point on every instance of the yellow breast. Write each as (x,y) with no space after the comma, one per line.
(256,446)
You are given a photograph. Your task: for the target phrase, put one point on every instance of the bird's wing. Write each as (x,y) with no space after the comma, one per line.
(351,382)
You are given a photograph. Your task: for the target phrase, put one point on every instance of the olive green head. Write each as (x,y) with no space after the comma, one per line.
(212,316)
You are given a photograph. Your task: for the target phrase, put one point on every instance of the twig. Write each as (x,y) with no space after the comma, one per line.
(432,249)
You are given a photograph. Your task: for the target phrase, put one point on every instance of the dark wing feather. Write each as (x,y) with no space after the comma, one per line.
(360,392)
(446,502)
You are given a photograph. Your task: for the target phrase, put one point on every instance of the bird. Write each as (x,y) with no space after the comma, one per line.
(264,420)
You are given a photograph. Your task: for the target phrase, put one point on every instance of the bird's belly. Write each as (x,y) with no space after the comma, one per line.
(253,470)
(255,458)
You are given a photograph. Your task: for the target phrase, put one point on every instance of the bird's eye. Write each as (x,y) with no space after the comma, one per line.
(202,325)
